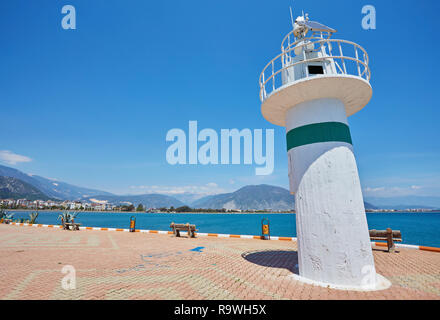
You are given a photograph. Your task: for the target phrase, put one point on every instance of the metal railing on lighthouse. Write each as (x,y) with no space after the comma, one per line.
(338,57)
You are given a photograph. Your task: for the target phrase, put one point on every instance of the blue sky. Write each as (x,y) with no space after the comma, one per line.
(92,106)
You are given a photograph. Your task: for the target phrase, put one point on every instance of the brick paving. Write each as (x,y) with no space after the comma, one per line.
(121,265)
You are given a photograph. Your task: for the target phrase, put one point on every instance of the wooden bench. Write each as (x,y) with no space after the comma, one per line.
(387,235)
(70,225)
(190,228)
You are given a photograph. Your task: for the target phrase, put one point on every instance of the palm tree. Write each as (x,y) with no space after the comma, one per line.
(67,217)
(6,217)
(33,217)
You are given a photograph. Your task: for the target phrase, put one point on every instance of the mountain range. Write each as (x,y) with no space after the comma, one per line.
(262,197)
(53,189)
(12,188)
(17,185)
(188,198)
(401,203)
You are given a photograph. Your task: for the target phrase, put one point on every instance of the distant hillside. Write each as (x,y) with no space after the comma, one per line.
(408,202)
(262,197)
(188,198)
(12,188)
(52,188)
(369,206)
(147,200)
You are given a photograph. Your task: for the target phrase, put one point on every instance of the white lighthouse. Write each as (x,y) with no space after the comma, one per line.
(311,88)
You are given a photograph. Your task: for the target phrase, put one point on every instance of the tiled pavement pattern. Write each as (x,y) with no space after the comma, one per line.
(121,265)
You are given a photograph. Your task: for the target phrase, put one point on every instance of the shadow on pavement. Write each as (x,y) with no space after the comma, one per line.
(274,259)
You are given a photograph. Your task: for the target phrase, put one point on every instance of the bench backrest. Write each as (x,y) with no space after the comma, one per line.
(384,233)
(182,226)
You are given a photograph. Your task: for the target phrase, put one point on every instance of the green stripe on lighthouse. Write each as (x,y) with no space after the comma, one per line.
(318,132)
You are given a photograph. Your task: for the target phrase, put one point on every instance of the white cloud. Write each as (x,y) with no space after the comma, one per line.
(212,185)
(12,158)
(385,192)
(207,189)
(374,190)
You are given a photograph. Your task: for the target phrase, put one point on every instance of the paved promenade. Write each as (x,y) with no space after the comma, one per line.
(121,265)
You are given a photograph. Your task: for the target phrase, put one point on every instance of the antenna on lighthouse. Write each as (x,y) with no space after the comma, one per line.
(291,18)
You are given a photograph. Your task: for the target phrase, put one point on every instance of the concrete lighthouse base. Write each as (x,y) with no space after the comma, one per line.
(334,247)
(381,283)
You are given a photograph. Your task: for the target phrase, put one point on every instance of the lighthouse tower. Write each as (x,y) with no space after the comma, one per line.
(311,88)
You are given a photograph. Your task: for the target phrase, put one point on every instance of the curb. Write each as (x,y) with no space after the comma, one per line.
(219,235)
(408,246)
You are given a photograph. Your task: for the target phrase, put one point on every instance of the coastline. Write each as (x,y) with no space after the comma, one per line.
(421,228)
(226,213)
(142,212)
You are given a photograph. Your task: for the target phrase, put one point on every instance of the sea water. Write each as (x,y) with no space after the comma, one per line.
(417,228)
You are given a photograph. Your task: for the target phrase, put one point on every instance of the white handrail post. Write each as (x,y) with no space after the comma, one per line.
(273,77)
(304,62)
(357,61)
(342,57)
(366,67)
(323,49)
(330,54)
(366,58)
